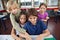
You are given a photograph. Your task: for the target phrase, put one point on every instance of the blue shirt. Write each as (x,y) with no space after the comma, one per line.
(35,29)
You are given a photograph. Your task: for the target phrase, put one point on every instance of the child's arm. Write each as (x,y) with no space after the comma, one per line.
(13,34)
(45,31)
(45,20)
(44,34)
(15,24)
(26,36)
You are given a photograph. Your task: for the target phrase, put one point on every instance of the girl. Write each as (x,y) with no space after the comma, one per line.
(22,21)
(43,15)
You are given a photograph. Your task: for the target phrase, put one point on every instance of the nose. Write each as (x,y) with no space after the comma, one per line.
(32,20)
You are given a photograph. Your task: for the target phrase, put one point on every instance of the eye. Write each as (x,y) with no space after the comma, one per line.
(42,8)
(30,18)
(34,17)
(21,18)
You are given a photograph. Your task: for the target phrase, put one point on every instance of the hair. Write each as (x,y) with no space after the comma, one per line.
(13,6)
(43,4)
(22,13)
(33,12)
(9,3)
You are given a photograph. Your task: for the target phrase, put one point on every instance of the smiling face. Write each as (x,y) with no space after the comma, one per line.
(42,9)
(14,11)
(22,19)
(32,19)
(32,15)
(14,8)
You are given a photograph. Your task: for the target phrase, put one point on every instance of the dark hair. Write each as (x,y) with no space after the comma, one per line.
(22,13)
(33,12)
(43,4)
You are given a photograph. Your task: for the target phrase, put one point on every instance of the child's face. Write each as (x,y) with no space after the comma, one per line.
(32,19)
(22,19)
(42,8)
(14,11)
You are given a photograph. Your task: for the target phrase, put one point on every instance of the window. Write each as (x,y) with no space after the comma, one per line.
(23,3)
(36,4)
(52,2)
(28,3)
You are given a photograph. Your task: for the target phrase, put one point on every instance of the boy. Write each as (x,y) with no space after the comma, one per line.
(34,27)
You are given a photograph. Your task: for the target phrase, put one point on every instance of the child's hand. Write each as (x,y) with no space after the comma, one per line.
(18,38)
(44,20)
(22,35)
(47,18)
(25,35)
(40,37)
(8,11)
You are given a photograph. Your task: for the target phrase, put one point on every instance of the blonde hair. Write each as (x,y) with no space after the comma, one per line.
(14,6)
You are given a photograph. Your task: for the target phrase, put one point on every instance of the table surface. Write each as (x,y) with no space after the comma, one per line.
(9,37)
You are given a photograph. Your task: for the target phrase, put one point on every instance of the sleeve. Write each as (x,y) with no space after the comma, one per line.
(25,26)
(15,24)
(46,14)
(17,15)
(44,27)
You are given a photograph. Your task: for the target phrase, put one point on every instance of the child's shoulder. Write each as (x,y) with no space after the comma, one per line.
(39,21)
(27,23)
(46,13)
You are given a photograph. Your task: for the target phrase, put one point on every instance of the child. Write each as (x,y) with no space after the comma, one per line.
(43,15)
(15,11)
(22,21)
(34,27)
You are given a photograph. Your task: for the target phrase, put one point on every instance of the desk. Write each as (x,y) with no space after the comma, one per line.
(9,37)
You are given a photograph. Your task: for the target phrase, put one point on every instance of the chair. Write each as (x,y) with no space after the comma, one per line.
(2,19)
(57,14)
